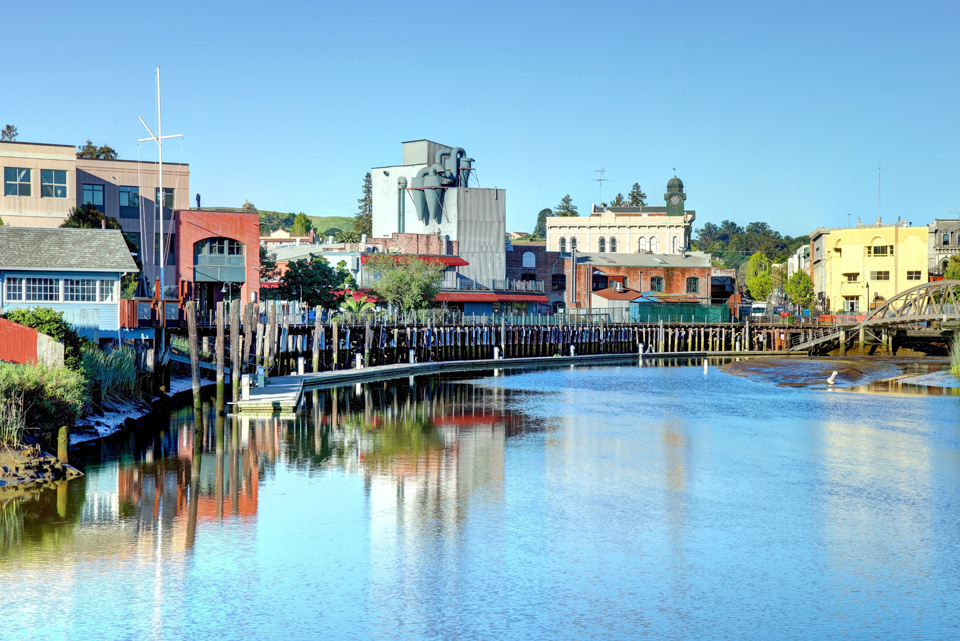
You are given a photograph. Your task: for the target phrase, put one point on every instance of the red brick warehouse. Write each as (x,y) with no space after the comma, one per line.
(218,250)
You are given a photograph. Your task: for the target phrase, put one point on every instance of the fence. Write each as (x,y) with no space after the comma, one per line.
(679,313)
(24,345)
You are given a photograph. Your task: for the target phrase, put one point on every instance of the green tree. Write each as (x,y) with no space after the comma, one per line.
(8,134)
(952,270)
(314,281)
(618,201)
(637,197)
(357,303)
(759,279)
(90,150)
(248,206)
(301,225)
(268,265)
(47,321)
(363,221)
(799,288)
(406,282)
(566,207)
(1,222)
(540,231)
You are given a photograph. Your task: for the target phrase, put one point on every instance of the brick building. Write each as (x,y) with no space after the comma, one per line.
(687,274)
(530,261)
(217,250)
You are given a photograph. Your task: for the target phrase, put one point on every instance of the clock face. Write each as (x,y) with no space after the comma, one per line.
(674,200)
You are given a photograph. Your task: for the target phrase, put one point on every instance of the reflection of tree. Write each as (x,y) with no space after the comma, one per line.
(401,446)
(45,515)
(11,525)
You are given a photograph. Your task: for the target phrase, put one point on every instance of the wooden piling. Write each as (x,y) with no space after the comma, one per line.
(63,444)
(335,344)
(219,346)
(190,311)
(249,327)
(235,341)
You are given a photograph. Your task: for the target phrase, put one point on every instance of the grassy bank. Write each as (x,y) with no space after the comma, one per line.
(955,355)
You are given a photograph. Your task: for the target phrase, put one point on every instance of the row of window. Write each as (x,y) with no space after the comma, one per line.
(883,275)
(880,250)
(129,199)
(644,244)
(55,290)
(17,182)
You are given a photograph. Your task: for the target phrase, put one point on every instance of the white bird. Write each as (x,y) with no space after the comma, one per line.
(833,377)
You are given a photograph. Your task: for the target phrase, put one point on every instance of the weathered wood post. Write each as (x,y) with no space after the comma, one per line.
(335,344)
(219,346)
(315,354)
(248,332)
(63,444)
(235,341)
(503,336)
(190,310)
(270,344)
(367,339)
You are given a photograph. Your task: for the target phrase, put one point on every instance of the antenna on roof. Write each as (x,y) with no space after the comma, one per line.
(601,180)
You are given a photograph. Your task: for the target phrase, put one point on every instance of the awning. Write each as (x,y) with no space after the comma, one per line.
(449,261)
(522,298)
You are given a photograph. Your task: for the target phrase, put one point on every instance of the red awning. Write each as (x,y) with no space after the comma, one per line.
(522,298)
(449,261)
(467,297)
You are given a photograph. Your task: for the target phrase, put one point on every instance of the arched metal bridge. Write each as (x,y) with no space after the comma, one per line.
(937,301)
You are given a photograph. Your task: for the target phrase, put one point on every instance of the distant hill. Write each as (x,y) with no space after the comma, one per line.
(271,220)
(336,223)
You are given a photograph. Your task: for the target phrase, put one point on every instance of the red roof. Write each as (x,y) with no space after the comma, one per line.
(449,261)
(611,293)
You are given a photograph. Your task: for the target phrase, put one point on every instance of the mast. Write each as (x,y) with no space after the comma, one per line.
(159,138)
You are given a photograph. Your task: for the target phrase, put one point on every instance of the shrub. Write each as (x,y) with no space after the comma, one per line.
(51,396)
(955,355)
(113,373)
(50,322)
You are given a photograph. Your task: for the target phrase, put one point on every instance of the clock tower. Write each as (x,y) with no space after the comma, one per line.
(675,197)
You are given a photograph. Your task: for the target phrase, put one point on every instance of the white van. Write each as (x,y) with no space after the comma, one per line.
(758,310)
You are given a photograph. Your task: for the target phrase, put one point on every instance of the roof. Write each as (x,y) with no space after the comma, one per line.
(450,261)
(611,293)
(689,259)
(56,249)
(660,297)
(490,297)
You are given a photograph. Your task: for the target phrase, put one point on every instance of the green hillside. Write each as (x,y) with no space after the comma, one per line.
(324,223)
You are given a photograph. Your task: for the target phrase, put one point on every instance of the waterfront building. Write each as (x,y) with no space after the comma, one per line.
(282,237)
(529,261)
(943,242)
(430,193)
(858,268)
(74,271)
(42,182)
(626,230)
(686,274)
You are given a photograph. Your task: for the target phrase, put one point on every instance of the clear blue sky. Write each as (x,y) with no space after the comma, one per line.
(778,112)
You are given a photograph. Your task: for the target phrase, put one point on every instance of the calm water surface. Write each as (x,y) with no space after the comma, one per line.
(605,503)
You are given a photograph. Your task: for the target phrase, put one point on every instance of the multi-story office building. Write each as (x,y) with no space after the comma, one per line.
(858,268)
(42,182)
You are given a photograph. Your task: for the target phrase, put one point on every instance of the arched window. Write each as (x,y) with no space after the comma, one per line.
(654,245)
(602,245)
(642,245)
(946,239)
(693,285)
(529,259)
(573,244)
(563,245)
(217,247)
(613,244)
(676,245)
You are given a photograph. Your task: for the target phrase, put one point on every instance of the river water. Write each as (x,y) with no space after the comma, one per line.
(602,502)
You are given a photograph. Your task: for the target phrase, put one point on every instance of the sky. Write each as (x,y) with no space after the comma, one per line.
(780,112)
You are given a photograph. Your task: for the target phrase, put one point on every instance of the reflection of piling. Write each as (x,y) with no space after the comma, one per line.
(191,313)
(194,481)
(218,484)
(218,346)
(234,466)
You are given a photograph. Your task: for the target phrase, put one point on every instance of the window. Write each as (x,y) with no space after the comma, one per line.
(641,245)
(129,202)
(529,259)
(558,281)
(79,291)
(40,290)
(676,245)
(528,277)
(14,288)
(880,250)
(913,275)
(16,181)
(884,275)
(852,278)
(613,245)
(167,201)
(654,245)
(656,284)
(851,304)
(573,244)
(693,285)
(563,245)
(217,247)
(53,183)
(107,294)
(169,243)
(946,239)
(93,196)
(602,246)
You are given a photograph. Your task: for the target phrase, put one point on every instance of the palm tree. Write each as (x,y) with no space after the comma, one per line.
(357,303)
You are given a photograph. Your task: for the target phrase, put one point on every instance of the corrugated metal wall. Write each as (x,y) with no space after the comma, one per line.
(481,232)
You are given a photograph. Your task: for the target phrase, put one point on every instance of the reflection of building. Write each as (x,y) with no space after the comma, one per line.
(626,230)
(866,263)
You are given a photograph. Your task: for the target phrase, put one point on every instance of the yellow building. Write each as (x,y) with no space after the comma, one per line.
(867,263)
